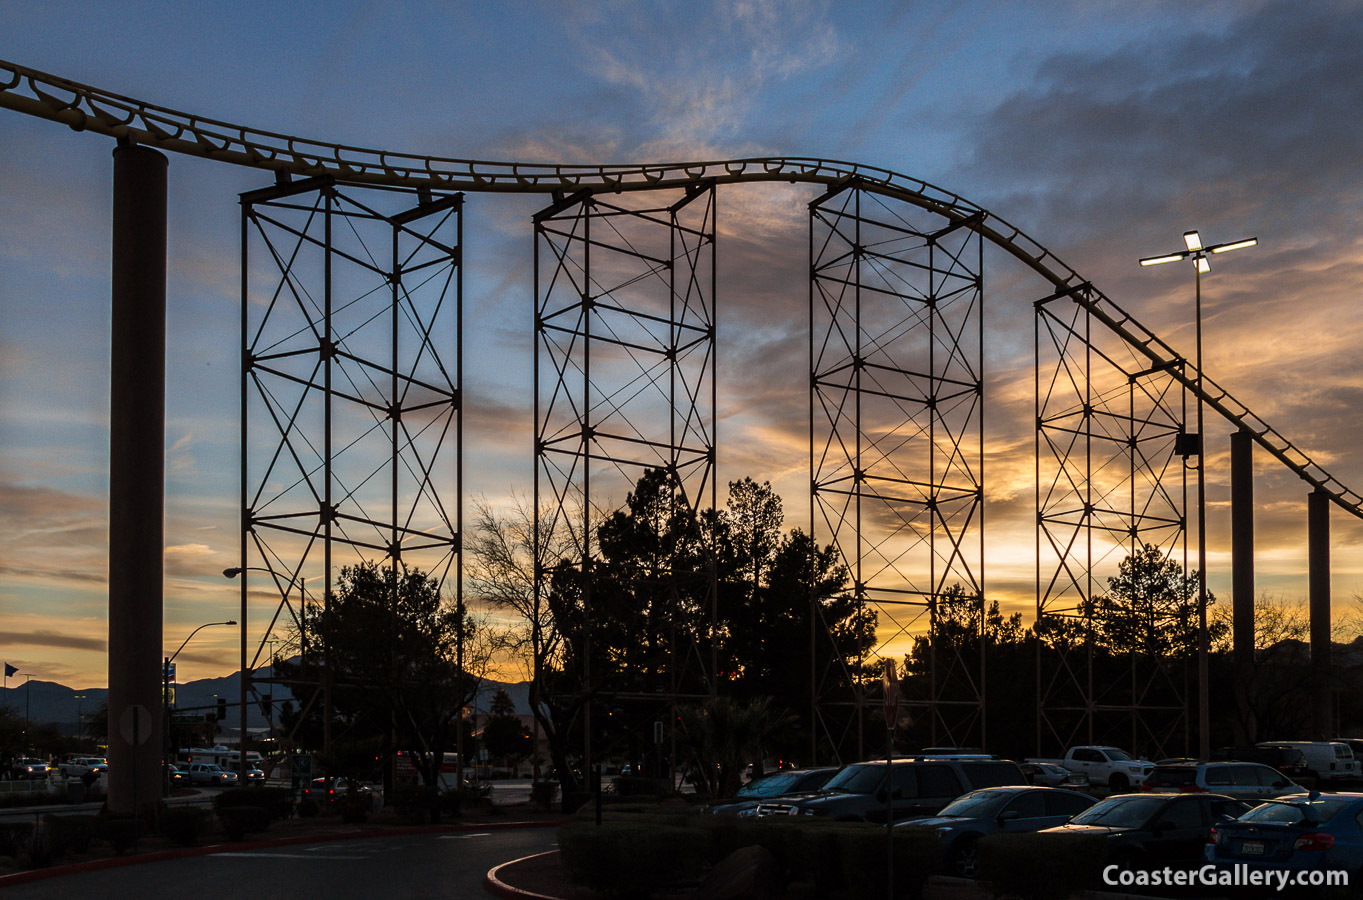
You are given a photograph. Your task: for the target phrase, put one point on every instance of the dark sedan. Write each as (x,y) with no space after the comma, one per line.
(778,784)
(1152,830)
(965,820)
(1298,833)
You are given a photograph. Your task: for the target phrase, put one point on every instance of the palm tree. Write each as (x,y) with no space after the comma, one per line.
(721,737)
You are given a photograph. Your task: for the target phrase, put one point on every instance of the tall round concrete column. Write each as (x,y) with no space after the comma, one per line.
(137,429)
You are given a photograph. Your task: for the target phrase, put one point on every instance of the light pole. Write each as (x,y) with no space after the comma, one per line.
(28,704)
(233,572)
(1198,254)
(165,701)
(80,730)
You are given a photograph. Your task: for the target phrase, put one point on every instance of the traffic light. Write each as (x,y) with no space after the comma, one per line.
(222,709)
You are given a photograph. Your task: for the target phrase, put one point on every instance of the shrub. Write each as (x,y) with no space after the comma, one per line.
(120,831)
(239,821)
(14,837)
(277,801)
(622,859)
(640,786)
(70,834)
(1026,864)
(308,808)
(419,802)
(184,824)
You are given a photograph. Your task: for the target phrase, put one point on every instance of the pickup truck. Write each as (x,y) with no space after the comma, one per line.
(74,768)
(1111,766)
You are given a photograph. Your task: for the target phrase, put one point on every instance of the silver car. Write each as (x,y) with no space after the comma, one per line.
(1242,780)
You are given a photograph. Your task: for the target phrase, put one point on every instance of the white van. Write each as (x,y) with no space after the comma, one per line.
(1326,760)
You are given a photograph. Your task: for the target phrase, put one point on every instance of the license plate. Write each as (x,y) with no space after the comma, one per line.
(1252,848)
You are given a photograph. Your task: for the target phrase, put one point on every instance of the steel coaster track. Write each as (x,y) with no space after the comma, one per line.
(86,108)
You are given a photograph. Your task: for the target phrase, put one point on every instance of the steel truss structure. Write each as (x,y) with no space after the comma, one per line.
(351,288)
(896,447)
(625,383)
(1112,453)
(350,398)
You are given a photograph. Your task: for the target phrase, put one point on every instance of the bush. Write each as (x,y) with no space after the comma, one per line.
(1025,864)
(622,859)
(277,801)
(420,802)
(120,831)
(640,786)
(15,837)
(239,821)
(184,824)
(70,834)
(308,808)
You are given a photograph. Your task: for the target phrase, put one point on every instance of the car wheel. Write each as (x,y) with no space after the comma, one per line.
(965,858)
(1118,782)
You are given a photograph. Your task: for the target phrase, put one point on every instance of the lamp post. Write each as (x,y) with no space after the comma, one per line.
(165,701)
(1198,254)
(28,704)
(233,572)
(80,719)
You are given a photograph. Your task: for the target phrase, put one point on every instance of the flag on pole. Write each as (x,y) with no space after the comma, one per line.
(10,670)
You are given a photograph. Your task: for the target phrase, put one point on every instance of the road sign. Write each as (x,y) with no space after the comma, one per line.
(891,684)
(187,719)
(134,725)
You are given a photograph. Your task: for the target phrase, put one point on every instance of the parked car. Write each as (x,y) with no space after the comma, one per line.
(1242,780)
(917,787)
(333,789)
(1053,775)
(211,773)
(1288,760)
(778,784)
(1301,831)
(1325,761)
(1151,830)
(965,820)
(78,766)
(27,768)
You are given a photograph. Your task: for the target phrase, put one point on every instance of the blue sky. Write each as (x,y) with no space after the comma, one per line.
(1104,130)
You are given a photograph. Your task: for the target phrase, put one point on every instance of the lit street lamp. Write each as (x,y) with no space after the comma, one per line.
(1198,254)
(165,700)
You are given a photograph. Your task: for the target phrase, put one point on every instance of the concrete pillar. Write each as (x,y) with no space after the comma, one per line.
(137,427)
(1242,579)
(1318,520)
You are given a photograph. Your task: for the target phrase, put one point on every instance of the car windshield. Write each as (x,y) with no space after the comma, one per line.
(1318,811)
(1117,755)
(977,805)
(769,786)
(859,779)
(1120,812)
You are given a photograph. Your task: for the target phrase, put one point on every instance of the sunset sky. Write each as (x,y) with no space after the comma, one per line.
(1103,130)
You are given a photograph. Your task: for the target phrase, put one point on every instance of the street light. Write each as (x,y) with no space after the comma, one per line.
(165,700)
(233,572)
(1198,254)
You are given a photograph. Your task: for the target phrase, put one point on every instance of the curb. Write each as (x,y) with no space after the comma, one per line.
(498,888)
(115,862)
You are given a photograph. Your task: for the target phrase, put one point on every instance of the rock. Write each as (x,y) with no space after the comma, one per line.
(747,874)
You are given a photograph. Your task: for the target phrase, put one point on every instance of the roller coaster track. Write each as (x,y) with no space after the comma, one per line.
(86,108)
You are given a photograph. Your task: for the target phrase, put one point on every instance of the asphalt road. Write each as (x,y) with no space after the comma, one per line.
(410,866)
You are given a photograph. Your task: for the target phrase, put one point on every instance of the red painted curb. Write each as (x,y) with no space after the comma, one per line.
(114,862)
(498,888)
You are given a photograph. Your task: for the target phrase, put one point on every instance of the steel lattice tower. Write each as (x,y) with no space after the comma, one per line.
(350,392)
(896,441)
(1111,451)
(625,383)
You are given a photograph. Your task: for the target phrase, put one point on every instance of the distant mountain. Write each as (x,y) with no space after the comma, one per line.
(48,701)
